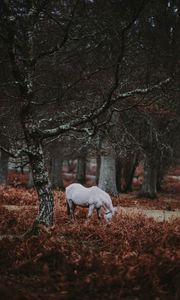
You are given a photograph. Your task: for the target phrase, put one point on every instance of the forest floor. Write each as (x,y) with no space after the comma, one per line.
(135,256)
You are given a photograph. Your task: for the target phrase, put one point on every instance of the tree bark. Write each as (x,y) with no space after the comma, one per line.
(107,178)
(162,167)
(81,170)
(43,187)
(23,71)
(39,171)
(4,157)
(128,172)
(118,174)
(30,182)
(149,186)
(98,165)
(160,177)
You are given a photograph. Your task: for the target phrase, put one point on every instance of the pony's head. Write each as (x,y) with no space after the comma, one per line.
(108,215)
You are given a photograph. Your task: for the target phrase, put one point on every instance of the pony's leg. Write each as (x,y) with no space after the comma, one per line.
(90,210)
(98,210)
(71,208)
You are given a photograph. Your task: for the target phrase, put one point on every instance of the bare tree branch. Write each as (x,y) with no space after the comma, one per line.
(56,48)
(14,153)
(96,113)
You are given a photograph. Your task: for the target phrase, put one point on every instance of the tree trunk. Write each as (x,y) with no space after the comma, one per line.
(43,187)
(30,182)
(39,170)
(81,170)
(4,157)
(128,172)
(56,173)
(161,171)
(107,178)
(98,165)
(160,177)
(25,74)
(149,186)
(152,156)
(118,174)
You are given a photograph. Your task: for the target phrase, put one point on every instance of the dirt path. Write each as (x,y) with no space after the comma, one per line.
(157,214)
(17,207)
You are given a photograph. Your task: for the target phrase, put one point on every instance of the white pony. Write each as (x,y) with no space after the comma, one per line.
(93,197)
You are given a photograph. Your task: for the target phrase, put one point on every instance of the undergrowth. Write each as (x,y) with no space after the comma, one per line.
(131,257)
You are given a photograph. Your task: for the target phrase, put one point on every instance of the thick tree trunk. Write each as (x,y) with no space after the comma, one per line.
(43,187)
(149,186)
(81,170)
(39,171)
(107,178)
(56,173)
(4,157)
(24,74)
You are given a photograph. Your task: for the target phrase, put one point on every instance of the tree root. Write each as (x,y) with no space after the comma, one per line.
(33,230)
(37,229)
